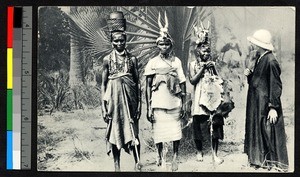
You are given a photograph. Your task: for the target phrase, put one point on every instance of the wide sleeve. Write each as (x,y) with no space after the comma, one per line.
(275,85)
(149,68)
(180,72)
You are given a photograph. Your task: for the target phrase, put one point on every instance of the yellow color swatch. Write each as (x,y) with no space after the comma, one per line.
(9,68)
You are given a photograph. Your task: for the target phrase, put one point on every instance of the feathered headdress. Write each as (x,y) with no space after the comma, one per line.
(202,33)
(164,31)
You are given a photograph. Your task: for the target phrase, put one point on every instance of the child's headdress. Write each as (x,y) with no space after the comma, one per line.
(202,33)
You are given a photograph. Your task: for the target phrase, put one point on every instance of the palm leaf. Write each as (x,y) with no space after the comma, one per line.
(142,35)
(143,48)
(94,38)
(149,16)
(149,24)
(143,28)
(142,42)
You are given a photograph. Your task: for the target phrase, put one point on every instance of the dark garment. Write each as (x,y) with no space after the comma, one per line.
(264,141)
(121,96)
(201,126)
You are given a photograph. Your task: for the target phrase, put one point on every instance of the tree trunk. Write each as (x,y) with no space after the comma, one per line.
(76,78)
(76,72)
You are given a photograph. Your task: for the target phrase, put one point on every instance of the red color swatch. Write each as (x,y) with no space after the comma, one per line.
(10,26)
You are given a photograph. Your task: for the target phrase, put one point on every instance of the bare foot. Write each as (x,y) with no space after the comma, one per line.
(163,163)
(158,161)
(174,165)
(117,167)
(199,157)
(218,160)
(138,166)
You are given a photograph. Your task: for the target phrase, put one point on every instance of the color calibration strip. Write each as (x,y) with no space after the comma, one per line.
(10,26)
(19,59)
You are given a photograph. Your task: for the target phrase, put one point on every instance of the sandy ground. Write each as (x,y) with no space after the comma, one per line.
(75,141)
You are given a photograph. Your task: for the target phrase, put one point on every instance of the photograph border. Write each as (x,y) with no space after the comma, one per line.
(34,172)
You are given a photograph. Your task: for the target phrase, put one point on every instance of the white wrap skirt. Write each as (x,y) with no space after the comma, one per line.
(167,125)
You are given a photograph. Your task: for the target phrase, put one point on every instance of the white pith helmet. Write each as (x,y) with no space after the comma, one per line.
(262,38)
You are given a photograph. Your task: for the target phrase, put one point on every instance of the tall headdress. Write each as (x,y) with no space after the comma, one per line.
(163,30)
(202,33)
(116,22)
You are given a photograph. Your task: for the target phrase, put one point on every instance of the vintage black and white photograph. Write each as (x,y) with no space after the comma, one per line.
(166,89)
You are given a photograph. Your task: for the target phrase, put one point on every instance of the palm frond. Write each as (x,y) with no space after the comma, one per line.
(93,36)
(142,42)
(191,21)
(142,35)
(149,24)
(149,16)
(142,27)
(140,49)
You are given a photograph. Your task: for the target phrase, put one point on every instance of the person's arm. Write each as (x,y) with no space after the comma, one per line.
(103,88)
(275,90)
(182,85)
(183,98)
(195,78)
(138,90)
(149,80)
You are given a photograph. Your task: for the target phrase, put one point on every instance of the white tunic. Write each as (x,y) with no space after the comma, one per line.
(196,108)
(166,107)
(162,98)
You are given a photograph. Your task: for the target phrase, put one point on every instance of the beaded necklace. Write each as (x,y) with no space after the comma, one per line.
(118,63)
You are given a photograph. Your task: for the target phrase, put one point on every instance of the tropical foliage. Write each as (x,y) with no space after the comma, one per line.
(76,42)
(89,31)
(53,39)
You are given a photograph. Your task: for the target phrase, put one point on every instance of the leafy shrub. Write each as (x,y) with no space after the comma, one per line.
(86,96)
(52,90)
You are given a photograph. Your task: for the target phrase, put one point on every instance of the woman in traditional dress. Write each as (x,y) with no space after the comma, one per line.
(120,93)
(165,95)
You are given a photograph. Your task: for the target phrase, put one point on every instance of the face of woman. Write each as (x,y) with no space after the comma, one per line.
(164,47)
(119,41)
(204,52)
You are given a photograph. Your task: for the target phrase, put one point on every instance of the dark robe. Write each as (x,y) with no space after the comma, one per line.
(265,142)
(121,96)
